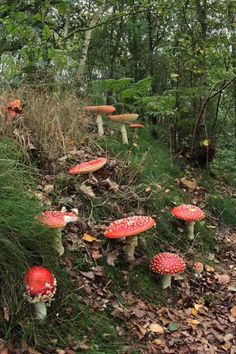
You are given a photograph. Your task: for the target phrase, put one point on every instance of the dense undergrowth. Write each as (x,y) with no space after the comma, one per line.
(146,176)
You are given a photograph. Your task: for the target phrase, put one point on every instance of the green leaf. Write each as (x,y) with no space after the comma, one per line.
(172,326)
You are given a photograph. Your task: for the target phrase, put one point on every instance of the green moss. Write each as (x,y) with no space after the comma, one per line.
(223,208)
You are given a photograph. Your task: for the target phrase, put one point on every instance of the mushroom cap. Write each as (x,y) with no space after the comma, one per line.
(127,117)
(167,263)
(87,167)
(57,219)
(188,212)
(136,125)
(12,108)
(130,226)
(198,267)
(40,284)
(100,109)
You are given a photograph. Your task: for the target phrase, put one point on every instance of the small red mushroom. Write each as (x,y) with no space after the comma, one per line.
(123,119)
(88,167)
(58,220)
(99,110)
(198,267)
(190,214)
(129,227)
(167,264)
(40,287)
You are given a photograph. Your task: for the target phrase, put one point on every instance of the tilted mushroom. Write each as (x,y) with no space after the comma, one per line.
(88,167)
(58,220)
(40,287)
(136,126)
(167,264)
(98,111)
(123,119)
(190,214)
(129,227)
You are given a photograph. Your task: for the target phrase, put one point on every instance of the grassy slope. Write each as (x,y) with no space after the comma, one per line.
(148,166)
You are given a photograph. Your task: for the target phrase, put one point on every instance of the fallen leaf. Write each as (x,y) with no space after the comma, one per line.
(189,184)
(112,257)
(233,311)
(6,313)
(172,326)
(209,268)
(48,188)
(156,328)
(223,279)
(192,323)
(96,254)
(89,275)
(157,341)
(88,238)
(87,190)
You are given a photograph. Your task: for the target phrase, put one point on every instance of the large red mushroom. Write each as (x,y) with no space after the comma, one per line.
(98,111)
(58,220)
(167,264)
(129,227)
(40,287)
(190,214)
(88,167)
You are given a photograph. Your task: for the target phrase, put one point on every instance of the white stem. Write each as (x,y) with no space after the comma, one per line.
(124,134)
(40,310)
(190,230)
(99,122)
(58,243)
(131,244)
(166,281)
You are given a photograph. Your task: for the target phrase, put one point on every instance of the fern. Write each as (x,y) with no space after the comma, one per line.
(137,90)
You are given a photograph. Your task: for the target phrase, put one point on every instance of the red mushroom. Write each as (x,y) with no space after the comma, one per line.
(99,110)
(88,167)
(190,214)
(130,226)
(40,287)
(167,264)
(123,119)
(198,267)
(58,220)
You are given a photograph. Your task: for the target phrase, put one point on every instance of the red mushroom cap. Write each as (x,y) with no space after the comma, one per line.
(126,117)
(188,212)
(136,125)
(198,267)
(100,109)
(130,226)
(12,108)
(57,219)
(167,263)
(87,167)
(40,284)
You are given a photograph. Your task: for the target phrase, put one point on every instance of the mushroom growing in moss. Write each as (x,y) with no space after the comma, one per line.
(129,227)
(190,214)
(123,119)
(88,167)
(40,287)
(58,220)
(167,264)
(98,111)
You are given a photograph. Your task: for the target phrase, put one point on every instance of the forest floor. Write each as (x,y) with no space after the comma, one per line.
(121,306)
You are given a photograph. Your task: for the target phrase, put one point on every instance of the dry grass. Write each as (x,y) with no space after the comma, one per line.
(50,121)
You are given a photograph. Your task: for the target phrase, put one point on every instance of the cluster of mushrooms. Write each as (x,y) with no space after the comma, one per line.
(40,283)
(122,119)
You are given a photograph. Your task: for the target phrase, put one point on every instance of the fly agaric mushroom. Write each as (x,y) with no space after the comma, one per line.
(136,126)
(99,110)
(123,119)
(190,214)
(88,167)
(58,220)
(167,264)
(129,227)
(40,287)
(12,108)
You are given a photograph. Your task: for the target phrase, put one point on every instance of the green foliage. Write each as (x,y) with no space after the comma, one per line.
(223,208)
(224,163)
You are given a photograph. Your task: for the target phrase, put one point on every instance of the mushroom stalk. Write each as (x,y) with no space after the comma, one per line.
(190,230)
(40,310)
(131,244)
(99,122)
(58,245)
(124,134)
(166,281)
